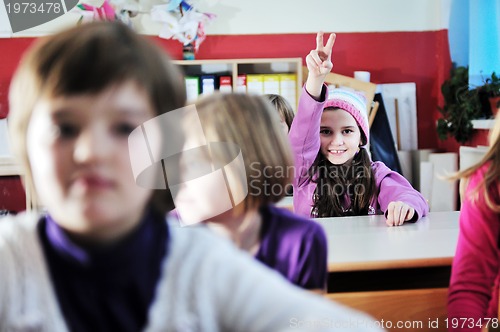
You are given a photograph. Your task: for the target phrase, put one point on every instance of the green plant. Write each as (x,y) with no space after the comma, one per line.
(489,95)
(491,86)
(461,106)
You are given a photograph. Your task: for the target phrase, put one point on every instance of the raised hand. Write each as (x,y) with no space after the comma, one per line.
(398,212)
(319,64)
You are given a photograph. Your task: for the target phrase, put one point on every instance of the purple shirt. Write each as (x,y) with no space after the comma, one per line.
(294,246)
(107,288)
(305,141)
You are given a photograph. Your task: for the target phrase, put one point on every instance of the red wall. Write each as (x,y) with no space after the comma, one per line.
(391,57)
(12,196)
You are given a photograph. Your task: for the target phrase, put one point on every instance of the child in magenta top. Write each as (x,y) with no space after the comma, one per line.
(334,175)
(473,292)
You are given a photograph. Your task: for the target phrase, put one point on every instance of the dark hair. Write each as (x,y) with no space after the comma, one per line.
(88,59)
(353,181)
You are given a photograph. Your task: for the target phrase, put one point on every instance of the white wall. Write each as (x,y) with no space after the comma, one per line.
(298,16)
(291,16)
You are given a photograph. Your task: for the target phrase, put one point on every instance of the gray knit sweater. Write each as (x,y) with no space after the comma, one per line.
(207,285)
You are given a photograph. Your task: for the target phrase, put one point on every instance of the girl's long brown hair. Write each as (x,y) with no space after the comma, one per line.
(336,183)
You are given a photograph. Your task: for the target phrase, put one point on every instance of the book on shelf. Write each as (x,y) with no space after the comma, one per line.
(207,84)
(255,84)
(288,88)
(241,83)
(225,84)
(271,84)
(280,84)
(192,88)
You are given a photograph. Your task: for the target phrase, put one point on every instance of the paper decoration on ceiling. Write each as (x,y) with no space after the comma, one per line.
(181,21)
(108,10)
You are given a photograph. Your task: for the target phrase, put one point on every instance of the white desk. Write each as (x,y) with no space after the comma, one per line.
(367,243)
(392,273)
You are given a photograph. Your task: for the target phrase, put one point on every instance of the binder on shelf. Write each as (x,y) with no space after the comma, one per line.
(192,88)
(288,88)
(271,84)
(255,84)
(225,84)
(242,84)
(207,84)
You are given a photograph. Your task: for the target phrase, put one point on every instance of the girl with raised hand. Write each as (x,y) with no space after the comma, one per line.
(334,175)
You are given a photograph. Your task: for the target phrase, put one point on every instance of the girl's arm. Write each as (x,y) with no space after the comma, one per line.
(304,135)
(304,132)
(476,262)
(397,198)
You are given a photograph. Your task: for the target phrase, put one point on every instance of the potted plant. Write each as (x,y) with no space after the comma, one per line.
(461,106)
(490,95)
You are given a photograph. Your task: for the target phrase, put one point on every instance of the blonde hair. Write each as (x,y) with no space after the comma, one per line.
(86,60)
(250,122)
(491,177)
(283,107)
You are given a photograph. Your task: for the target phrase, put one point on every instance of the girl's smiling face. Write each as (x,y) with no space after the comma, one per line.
(78,151)
(340,136)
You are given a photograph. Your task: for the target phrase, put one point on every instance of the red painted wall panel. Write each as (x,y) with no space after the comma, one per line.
(10,52)
(12,197)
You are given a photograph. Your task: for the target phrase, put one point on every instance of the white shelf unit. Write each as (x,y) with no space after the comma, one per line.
(235,67)
(9,167)
(483,124)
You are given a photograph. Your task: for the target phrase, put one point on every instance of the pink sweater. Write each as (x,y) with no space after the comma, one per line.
(305,140)
(473,291)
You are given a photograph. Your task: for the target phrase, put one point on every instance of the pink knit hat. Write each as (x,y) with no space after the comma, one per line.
(353,103)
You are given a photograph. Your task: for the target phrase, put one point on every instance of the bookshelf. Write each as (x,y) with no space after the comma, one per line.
(284,72)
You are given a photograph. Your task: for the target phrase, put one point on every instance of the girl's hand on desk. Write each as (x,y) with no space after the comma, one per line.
(398,212)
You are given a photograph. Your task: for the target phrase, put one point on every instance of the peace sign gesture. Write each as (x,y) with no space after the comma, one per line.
(319,63)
